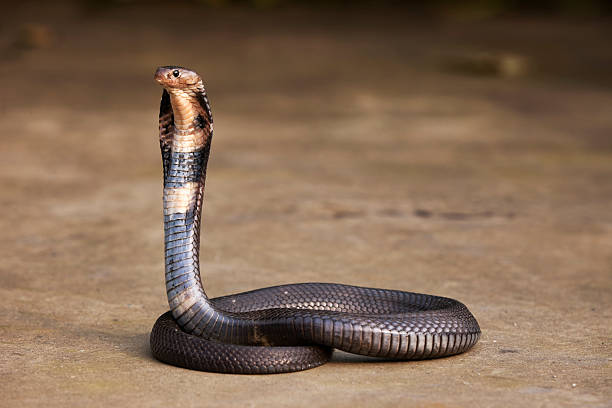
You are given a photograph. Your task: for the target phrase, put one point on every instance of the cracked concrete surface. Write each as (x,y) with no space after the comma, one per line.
(343,152)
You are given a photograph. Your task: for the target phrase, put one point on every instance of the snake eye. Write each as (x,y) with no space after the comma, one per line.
(176,73)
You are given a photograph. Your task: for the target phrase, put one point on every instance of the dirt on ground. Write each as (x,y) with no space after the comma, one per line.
(464,158)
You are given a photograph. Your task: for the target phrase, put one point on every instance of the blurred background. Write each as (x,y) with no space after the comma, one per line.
(462,149)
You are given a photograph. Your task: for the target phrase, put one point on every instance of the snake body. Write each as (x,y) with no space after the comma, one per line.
(282,328)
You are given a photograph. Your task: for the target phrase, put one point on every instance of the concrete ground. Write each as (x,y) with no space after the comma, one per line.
(364,148)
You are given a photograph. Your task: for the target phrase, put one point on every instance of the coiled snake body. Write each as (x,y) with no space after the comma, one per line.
(278,329)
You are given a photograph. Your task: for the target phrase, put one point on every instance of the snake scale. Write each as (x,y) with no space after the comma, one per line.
(282,328)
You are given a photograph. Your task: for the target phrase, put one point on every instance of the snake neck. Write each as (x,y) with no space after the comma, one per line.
(185,151)
(186,111)
(183,197)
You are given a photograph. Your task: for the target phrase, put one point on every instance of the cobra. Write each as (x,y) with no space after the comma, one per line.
(276,329)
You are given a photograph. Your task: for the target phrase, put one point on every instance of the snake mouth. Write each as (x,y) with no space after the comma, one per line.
(160,75)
